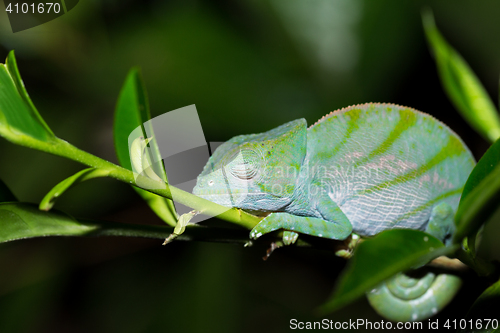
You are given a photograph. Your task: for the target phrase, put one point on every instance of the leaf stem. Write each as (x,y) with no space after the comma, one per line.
(62,148)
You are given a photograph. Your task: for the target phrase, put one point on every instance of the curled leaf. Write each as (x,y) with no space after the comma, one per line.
(50,198)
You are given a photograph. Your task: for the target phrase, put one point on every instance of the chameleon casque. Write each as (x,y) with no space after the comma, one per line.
(362,169)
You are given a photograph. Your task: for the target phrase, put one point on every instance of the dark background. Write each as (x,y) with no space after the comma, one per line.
(248,66)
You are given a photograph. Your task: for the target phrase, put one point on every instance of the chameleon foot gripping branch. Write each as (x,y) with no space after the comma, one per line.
(362,169)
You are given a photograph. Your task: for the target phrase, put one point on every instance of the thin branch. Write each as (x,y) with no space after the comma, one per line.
(193,232)
(64,149)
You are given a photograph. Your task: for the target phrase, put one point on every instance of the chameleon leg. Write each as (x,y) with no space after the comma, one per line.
(441,223)
(334,225)
(406,298)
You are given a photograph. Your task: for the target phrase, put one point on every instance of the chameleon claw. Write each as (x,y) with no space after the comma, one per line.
(290,237)
(346,249)
(254,234)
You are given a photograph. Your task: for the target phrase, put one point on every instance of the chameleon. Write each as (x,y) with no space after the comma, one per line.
(358,171)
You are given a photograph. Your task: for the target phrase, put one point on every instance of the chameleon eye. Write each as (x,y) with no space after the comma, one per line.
(211,182)
(243,171)
(245,165)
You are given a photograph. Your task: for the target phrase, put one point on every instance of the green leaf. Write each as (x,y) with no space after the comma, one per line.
(11,64)
(5,193)
(461,84)
(132,111)
(484,167)
(18,115)
(22,220)
(50,198)
(486,308)
(381,257)
(481,195)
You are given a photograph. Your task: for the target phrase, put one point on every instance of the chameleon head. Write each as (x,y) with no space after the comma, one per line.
(257,170)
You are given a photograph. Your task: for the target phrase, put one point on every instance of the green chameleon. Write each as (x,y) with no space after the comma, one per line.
(359,170)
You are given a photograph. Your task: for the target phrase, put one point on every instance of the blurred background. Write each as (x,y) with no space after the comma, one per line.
(248,65)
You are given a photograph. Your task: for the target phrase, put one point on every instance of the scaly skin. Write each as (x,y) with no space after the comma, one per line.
(362,169)
(403,298)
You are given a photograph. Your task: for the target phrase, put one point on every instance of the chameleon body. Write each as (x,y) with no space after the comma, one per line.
(361,169)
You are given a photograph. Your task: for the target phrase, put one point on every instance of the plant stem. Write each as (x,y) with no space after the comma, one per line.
(193,232)
(482,267)
(62,148)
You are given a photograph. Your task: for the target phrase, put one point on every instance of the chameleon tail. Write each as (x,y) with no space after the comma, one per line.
(406,298)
